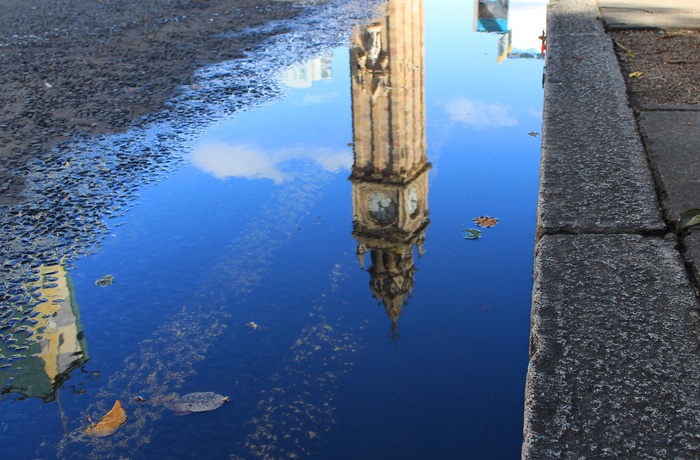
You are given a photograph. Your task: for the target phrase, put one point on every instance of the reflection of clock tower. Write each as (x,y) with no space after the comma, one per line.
(390,173)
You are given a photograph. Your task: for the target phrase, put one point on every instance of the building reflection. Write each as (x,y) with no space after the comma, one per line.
(304,75)
(518,25)
(48,343)
(390,171)
(491,16)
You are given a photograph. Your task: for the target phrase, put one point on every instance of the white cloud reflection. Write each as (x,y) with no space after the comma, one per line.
(223,160)
(479,114)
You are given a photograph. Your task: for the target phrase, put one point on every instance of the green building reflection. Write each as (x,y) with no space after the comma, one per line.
(41,352)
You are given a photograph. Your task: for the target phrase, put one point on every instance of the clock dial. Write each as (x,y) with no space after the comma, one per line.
(413,200)
(381,207)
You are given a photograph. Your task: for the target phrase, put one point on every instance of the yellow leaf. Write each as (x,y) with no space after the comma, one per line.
(636,74)
(109,423)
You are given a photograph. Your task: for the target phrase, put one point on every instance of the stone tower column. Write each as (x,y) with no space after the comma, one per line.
(390,172)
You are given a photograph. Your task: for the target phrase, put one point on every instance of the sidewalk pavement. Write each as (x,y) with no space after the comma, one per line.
(615,338)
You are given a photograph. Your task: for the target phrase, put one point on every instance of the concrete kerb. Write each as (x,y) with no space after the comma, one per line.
(595,176)
(614,366)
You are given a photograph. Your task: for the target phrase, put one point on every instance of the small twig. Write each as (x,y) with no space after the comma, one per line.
(621,46)
(677,34)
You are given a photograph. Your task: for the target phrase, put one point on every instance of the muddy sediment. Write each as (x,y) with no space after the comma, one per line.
(76,67)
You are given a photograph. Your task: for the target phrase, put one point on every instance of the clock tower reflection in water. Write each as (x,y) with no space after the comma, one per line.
(390,171)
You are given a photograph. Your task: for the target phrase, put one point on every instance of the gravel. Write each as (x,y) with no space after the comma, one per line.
(669,62)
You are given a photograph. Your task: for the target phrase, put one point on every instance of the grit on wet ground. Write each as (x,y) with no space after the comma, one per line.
(76,67)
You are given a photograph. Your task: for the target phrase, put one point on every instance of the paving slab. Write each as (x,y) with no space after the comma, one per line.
(673,107)
(666,14)
(672,139)
(595,176)
(615,364)
(692,253)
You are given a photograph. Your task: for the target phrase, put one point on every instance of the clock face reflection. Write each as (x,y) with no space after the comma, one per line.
(381,207)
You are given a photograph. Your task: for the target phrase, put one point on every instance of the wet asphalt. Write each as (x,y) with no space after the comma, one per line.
(99,101)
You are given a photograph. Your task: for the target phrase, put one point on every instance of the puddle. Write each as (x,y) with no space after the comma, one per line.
(325,203)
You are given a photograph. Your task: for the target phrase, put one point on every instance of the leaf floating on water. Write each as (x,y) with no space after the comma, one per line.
(109,423)
(533,134)
(688,218)
(485,221)
(253,326)
(105,281)
(471,234)
(636,74)
(195,402)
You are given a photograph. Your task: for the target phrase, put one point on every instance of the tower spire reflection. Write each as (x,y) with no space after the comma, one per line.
(390,171)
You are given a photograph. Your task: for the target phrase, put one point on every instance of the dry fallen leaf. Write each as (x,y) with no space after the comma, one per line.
(485,221)
(108,424)
(636,74)
(688,218)
(471,234)
(195,402)
(105,281)
(253,326)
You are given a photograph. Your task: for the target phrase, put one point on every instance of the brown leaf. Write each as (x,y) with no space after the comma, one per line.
(485,221)
(109,423)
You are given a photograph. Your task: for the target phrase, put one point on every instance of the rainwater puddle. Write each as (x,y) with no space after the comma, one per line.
(304,257)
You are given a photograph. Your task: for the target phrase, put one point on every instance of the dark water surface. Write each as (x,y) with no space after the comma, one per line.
(333,219)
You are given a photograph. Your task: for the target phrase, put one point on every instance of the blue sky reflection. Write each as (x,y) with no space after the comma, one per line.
(479,114)
(223,160)
(311,125)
